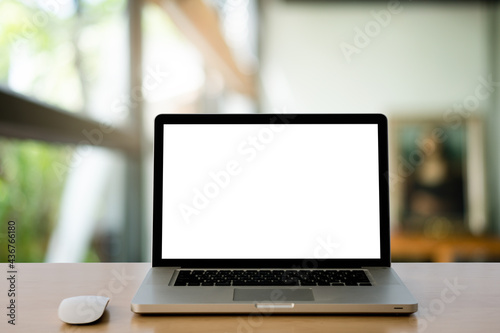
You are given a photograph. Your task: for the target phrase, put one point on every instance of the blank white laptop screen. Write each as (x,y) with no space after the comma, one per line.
(271,191)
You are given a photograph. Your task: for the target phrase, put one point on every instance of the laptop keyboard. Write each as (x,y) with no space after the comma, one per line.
(212,277)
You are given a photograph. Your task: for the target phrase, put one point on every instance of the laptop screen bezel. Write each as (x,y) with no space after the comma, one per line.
(268,118)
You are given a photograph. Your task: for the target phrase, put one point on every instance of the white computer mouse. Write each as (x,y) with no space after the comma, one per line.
(82,309)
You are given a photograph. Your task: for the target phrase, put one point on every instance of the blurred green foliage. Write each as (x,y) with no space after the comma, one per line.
(43,56)
(43,52)
(30,194)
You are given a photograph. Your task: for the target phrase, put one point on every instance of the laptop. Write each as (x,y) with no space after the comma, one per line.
(271,213)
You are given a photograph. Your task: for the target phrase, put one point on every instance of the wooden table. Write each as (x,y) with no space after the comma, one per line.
(452,298)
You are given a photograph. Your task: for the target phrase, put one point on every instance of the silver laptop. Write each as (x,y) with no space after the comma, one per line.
(271,213)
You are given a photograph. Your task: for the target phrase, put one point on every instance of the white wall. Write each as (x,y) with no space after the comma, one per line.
(428,57)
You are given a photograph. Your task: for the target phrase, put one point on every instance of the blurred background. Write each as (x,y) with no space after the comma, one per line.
(82,80)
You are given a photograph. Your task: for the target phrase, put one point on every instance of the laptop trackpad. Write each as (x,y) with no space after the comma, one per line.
(273,295)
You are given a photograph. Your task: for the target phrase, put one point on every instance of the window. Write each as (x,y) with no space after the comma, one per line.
(69,150)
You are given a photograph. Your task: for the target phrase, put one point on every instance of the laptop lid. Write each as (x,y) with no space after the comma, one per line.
(271,190)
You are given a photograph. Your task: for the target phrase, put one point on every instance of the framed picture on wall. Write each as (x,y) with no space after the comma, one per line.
(437,176)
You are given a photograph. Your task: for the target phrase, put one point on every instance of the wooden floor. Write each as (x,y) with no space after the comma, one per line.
(418,248)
